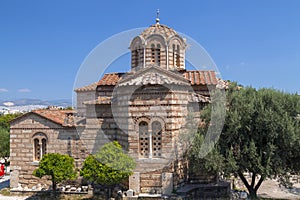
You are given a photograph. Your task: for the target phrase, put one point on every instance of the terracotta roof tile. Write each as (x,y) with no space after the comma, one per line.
(197,77)
(90,87)
(110,79)
(57,116)
(164,30)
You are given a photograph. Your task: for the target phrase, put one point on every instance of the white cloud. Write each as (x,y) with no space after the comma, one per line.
(24,90)
(8,104)
(3,90)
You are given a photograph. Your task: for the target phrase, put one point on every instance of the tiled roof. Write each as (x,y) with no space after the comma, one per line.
(110,79)
(158,29)
(90,87)
(57,116)
(197,77)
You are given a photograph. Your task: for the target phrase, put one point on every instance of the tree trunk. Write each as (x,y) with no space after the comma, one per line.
(252,189)
(53,185)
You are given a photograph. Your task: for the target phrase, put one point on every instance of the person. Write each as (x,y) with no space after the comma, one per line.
(2,169)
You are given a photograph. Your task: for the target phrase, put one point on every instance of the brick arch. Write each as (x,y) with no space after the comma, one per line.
(159,119)
(137,120)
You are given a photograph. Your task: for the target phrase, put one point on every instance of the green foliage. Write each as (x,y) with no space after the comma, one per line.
(4,133)
(4,142)
(58,167)
(5,120)
(260,135)
(109,166)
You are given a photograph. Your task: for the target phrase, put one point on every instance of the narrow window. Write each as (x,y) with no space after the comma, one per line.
(37,150)
(144,139)
(156,138)
(178,56)
(152,53)
(44,147)
(173,56)
(158,54)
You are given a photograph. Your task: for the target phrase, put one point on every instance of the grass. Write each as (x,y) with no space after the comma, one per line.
(5,192)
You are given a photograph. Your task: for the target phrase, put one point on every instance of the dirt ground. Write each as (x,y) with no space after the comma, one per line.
(271,189)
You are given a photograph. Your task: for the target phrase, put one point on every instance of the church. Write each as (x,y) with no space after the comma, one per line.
(145,109)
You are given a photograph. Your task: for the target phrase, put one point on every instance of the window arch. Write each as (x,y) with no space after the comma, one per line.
(144,139)
(39,146)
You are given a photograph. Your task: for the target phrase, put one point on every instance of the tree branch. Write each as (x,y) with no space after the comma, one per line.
(262,178)
(244,180)
(253,180)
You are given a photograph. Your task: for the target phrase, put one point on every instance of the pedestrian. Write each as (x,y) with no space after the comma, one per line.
(2,173)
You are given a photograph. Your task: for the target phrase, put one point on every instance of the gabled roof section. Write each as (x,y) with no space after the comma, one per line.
(197,77)
(110,79)
(59,117)
(153,75)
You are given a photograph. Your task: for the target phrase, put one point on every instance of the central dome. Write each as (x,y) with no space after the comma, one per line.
(163,30)
(158,45)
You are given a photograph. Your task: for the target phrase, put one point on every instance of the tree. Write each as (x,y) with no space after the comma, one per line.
(58,167)
(4,142)
(260,135)
(109,166)
(4,133)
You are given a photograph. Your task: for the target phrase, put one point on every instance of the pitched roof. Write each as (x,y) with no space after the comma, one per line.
(153,75)
(197,77)
(110,79)
(57,116)
(90,87)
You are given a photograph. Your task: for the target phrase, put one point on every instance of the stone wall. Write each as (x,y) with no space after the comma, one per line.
(83,96)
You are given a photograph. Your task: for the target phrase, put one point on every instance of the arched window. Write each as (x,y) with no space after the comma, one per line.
(39,146)
(144,139)
(156,138)
(150,140)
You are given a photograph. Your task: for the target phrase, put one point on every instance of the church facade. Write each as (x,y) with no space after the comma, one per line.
(145,109)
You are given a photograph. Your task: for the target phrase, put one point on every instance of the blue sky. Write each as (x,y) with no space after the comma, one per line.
(43,43)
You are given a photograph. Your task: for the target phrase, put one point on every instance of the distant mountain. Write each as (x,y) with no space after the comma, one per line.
(24,102)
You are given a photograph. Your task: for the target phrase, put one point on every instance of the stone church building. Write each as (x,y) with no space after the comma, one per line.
(144,109)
